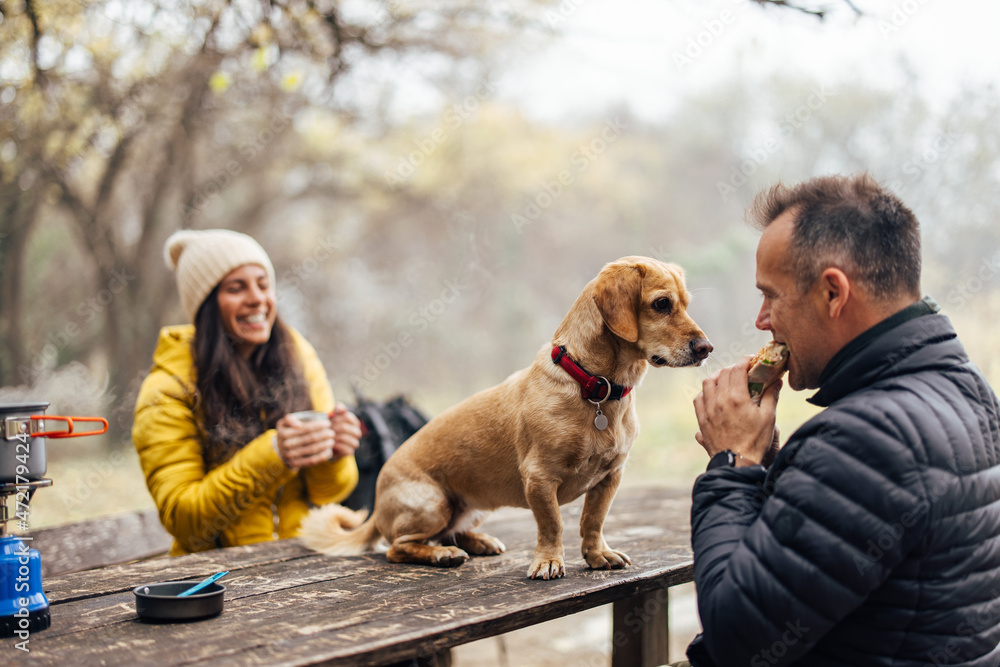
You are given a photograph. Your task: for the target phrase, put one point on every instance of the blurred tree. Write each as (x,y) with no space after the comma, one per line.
(127,120)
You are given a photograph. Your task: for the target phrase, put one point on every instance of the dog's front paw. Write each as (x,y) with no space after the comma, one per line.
(606,558)
(547,568)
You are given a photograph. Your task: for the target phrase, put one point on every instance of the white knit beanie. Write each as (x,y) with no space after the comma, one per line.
(202,258)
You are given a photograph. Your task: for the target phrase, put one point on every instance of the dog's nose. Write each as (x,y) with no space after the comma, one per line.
(701,348)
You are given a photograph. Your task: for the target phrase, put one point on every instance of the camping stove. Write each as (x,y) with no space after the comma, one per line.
(24,609)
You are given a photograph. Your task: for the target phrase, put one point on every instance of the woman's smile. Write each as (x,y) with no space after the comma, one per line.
(247,307)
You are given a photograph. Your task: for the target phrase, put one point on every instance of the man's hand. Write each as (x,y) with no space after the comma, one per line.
(728,419)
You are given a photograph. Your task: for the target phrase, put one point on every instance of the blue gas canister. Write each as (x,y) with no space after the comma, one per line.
(24,609)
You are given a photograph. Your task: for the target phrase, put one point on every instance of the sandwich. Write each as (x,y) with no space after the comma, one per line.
(766,368)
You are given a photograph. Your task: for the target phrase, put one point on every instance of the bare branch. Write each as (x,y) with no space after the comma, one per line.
(851,4)
(818,13)
(36,35)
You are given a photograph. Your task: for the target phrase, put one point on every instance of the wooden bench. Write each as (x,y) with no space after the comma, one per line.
(107,540)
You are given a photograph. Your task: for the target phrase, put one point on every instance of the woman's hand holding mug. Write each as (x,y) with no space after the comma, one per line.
(310,437)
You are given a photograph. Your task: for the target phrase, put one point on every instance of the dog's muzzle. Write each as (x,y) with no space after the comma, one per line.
(697,351)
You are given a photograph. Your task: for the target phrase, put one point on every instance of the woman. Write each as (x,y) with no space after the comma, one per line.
(225,460)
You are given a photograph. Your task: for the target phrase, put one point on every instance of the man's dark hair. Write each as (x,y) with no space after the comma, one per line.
(852,223)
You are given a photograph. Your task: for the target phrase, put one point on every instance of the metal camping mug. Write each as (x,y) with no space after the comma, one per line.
(310,416)
(23,430)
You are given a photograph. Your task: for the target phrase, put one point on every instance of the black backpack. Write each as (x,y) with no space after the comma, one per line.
(384,427)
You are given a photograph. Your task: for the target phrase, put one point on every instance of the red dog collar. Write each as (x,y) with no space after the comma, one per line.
(592,387)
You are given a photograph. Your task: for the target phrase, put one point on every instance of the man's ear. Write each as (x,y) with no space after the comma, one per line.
(617,293)
(835,291)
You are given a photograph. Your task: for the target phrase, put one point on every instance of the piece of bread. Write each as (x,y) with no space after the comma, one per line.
(766,368)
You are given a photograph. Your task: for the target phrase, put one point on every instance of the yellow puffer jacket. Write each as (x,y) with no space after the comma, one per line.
(250,498)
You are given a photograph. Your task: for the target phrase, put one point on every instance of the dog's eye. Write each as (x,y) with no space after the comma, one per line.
(664,305)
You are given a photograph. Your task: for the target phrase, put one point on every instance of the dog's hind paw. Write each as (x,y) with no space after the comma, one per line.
(547,568)
(480,544)
(449,556)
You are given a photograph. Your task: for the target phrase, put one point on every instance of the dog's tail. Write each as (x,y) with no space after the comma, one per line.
(338,531)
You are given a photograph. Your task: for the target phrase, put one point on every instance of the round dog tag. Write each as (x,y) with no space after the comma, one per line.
(600,421)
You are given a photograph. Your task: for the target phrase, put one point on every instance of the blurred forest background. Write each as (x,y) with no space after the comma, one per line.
(428,234)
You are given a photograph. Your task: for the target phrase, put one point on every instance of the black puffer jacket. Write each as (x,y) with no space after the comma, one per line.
(874,538)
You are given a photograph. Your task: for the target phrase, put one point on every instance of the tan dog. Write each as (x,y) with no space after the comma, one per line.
(532,441)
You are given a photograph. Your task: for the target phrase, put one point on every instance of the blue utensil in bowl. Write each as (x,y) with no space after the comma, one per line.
(204,584)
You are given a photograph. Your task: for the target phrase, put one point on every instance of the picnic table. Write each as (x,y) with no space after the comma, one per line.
(286,605)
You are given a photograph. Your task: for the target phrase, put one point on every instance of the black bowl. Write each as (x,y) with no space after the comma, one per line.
(159,601)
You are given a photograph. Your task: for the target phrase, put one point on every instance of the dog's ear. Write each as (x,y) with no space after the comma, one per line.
(616,294)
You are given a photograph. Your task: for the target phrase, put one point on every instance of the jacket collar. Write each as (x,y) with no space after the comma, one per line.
(895,346)
(173,352)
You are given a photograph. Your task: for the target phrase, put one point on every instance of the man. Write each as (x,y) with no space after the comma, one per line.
(873,537)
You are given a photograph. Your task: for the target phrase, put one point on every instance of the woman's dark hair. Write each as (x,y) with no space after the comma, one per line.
(241,398)
(850,222)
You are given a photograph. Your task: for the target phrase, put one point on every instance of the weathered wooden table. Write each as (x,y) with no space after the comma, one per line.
(288,606)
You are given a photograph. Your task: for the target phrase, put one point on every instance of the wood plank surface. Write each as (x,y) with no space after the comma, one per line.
(288,606)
